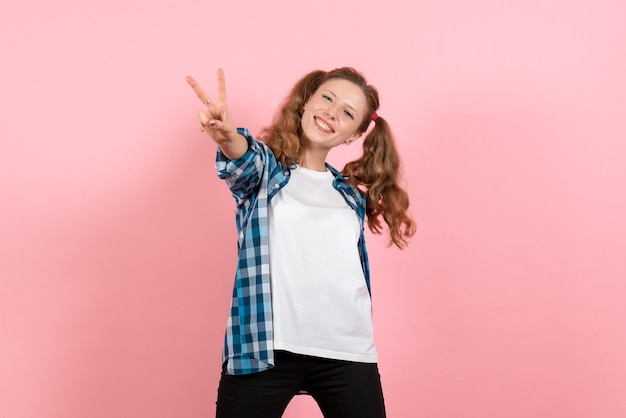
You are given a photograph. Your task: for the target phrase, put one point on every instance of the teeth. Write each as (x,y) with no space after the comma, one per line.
(323,125)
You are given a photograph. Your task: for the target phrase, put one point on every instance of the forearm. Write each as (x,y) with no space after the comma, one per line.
(234,147)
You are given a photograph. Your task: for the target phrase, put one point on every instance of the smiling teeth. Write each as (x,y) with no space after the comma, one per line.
(323,125)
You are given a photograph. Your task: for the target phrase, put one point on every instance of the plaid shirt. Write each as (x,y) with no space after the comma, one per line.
(253,180)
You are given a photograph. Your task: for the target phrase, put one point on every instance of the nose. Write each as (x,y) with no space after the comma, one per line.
(331,111)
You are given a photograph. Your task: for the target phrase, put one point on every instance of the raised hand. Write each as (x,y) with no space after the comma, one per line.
(215,118)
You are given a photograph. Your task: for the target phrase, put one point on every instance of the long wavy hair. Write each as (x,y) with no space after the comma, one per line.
(376,173)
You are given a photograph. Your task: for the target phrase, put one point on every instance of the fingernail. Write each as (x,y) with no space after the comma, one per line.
(213,124)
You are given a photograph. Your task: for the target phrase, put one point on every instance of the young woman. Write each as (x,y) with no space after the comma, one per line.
(300,318)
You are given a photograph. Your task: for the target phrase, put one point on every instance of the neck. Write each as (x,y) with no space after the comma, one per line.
(314,167)
(313,160)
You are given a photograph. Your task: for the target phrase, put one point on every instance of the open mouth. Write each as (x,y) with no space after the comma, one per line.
(322,125)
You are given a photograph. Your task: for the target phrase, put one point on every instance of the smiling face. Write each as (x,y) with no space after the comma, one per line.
(333,114)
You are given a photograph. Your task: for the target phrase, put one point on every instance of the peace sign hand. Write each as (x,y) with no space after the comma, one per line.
(215,118)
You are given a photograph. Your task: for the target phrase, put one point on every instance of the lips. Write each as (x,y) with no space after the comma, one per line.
(322,125)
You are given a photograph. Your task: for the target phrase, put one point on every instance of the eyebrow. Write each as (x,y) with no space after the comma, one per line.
(347,104)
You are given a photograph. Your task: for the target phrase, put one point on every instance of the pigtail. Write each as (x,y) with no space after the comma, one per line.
(377,174)
(283,135)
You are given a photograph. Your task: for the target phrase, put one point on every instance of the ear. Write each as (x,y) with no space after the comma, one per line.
(353,138)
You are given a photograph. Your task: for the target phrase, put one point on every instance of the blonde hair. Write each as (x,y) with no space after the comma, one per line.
(376,173)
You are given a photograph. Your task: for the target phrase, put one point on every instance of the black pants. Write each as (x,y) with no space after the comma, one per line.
(342,389)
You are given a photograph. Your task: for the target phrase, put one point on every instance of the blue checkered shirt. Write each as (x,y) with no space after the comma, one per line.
(253,180)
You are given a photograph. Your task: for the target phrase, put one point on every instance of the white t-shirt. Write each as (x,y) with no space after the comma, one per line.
(320,301)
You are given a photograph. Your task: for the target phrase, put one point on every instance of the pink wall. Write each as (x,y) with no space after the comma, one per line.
(117,240)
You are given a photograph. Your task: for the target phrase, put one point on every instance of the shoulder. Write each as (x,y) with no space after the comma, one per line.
(343,185)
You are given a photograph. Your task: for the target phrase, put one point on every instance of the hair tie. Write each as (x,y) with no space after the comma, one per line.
(374,117)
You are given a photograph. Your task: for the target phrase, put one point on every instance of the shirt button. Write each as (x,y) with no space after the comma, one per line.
(276,186)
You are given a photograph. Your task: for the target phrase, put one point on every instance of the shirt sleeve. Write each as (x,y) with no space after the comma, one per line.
(242,175)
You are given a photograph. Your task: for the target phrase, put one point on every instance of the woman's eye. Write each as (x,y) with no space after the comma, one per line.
(326,97)
(349,115)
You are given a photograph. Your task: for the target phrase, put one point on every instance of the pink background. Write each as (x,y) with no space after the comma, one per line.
(118,243)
